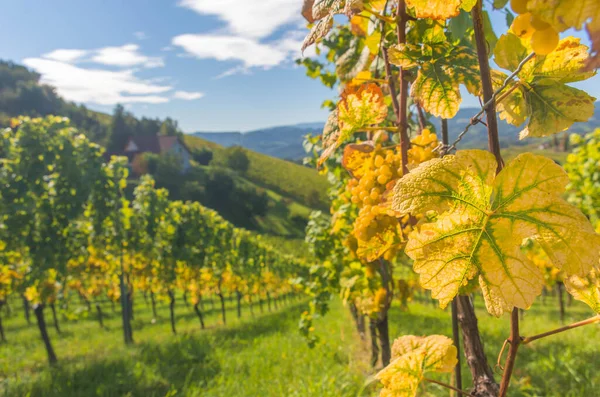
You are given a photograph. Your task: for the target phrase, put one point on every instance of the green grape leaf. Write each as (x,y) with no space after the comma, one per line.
(512,109)
(509,51)
(405,55)
(498,4)
(412,358)
(437,86)
(554,107)
(542,95)
(585,289)
(482,222)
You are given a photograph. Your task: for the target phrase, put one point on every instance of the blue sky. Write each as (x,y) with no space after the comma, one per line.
(214,65)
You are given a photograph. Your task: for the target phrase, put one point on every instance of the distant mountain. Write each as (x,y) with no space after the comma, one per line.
(286,141)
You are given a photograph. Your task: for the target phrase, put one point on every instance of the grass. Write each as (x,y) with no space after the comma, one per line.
(266,356)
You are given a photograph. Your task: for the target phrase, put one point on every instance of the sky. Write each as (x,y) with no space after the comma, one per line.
(213,65)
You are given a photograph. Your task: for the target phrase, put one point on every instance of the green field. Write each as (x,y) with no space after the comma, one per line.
(266,356)
(288,179)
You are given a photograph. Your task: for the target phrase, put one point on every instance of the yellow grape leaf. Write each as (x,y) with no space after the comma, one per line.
(585,289)
(437,91)
(412,358)
(405,55)
(357,159)
(437,86)
(439,9)
(359,25)
(373,42)
(360,107)
(482,222)
(512,109)
(554,107)
(542,94)
(509,51)
(564,14)
(318,31)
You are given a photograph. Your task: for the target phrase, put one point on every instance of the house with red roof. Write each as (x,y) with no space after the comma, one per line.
(158,144)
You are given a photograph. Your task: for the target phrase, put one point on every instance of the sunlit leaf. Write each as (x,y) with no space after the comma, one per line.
(585,289)
(360,107)
(357,158)
(542,95)
(482,222)
(412,358)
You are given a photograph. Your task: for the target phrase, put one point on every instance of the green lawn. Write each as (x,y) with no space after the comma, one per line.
(266,356)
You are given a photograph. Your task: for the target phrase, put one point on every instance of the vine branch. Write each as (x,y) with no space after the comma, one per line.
(437,382)
(591,320)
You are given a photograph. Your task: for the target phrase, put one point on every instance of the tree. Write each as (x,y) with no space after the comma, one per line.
(169,127)
(120,133)
(237,159)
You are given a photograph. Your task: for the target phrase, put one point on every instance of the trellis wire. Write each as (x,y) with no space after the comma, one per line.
(444,149)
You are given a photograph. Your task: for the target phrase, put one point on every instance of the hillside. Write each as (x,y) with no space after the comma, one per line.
(291,180)
(286,141)
(291,191)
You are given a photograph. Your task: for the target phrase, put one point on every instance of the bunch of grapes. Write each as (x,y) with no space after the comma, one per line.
(383,166)
(422,148)
(543,37)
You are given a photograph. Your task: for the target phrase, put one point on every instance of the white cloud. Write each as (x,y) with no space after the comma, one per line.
(103,87)
(140,35)
(66,55)
(187,95)
(126,55)
(249,18)
(230,48)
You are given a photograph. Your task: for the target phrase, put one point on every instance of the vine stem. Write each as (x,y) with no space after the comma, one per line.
(456,338)
(494,147)
(590,320)
(437,382)
(514,342)
(486,84)
(402,19)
